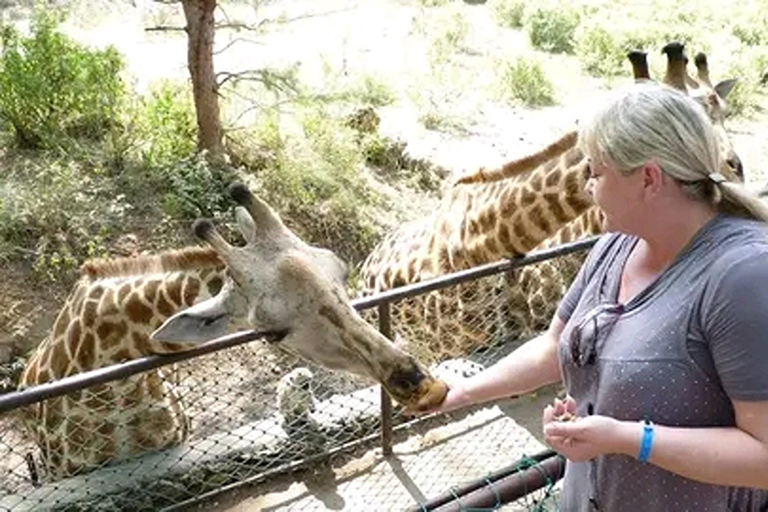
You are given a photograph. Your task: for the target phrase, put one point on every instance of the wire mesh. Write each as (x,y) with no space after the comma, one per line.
(249,412)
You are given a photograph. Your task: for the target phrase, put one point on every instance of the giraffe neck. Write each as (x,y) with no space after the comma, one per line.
(115,306)
(107,319)
(484,222)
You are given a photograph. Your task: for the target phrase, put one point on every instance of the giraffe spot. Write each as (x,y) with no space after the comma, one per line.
(78,434)
(552,179)
(150,290)
(487,221)
(141,343)
(134,397)
(73,337)
(44,376)
(155,386)
(412,270)
(474,228)
(122,355)
(527,197)
(137,311)
(62,322)
(537,217)
(173,290)
(99,397)
(151,425)
(106,445)
(96,292)
(191,291)
(77,299)
(491,246)
(108,304)
(111,334)
(536,181)
(215,285)
(54,415)
(123,292)
(86,353)
(505,240)
(566,234)
(164,307)
(90,313)
(553,201)
(59,360)
(521,237)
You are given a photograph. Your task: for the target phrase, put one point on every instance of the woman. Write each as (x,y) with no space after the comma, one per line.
(662,340)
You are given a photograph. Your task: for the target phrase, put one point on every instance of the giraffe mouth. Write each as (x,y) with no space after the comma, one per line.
(416,391)
(273,337)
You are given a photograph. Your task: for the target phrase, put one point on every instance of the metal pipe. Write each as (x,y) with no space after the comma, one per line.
(474,485)
(493,494)
(90,378)
(385,326)
(463,276)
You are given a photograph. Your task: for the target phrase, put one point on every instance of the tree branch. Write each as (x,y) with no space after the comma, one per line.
(164,28)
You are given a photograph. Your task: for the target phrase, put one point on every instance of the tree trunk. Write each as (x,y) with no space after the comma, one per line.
(200,32)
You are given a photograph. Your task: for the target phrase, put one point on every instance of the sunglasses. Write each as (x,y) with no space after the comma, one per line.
(595,325)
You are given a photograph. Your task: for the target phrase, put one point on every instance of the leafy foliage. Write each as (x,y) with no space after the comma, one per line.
(551,27)
(525,81)
(52,88)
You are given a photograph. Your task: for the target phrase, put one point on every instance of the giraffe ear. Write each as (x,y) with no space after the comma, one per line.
(202,322)
(724,87)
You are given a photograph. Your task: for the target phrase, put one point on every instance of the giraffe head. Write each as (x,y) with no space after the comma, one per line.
(297,292)
(711,97)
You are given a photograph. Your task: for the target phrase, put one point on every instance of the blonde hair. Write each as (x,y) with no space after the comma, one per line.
(654,122)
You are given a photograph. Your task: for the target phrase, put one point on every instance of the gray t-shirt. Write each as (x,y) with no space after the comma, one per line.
(676,354)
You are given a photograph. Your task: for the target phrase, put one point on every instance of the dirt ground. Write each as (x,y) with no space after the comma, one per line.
(349,38)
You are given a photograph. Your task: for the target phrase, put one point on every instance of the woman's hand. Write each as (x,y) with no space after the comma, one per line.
(456,398)
(584,438)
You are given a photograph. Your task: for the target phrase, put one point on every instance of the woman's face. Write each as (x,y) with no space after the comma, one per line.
(619,195)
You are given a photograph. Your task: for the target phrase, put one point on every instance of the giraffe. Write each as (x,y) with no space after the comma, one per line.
(107,319)
(128,308)
(526,204)
(540,286)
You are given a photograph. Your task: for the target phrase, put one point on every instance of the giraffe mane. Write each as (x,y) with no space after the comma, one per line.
(521,165)
(187,258)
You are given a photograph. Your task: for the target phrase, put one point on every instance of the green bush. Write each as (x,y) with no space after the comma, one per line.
(509,13)
(525,81)
(52,213)
(167,124)
(551,28)
(602,51)
(599,52)
(194,187)
(52,88)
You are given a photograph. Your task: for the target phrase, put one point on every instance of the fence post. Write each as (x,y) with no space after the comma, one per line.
(385,326)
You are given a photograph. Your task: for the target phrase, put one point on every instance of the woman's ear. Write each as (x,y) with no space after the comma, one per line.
(653,177)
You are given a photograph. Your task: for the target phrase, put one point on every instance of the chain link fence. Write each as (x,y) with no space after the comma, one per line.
(247,412)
